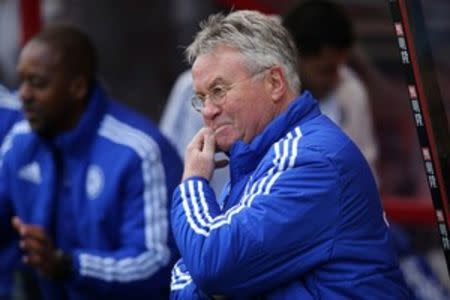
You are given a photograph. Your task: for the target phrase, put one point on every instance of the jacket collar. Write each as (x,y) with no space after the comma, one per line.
(245,157)
(82,135)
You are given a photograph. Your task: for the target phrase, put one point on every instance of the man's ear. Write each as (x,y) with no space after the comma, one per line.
(79,87)
(276,84)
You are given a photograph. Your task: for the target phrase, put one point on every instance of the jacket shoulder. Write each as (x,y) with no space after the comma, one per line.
(123,126)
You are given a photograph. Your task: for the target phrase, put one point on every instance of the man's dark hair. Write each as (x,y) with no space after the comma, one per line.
(77,51)
(317,24)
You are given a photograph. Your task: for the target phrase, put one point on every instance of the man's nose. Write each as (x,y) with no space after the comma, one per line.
(210,110)
(24,92)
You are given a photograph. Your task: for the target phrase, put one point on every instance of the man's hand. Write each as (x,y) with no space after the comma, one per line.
(199,158)
(40,252)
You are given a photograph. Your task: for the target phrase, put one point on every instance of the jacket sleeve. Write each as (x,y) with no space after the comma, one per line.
(181,284)
(282,226)
(141,263)
(9,252)
(5,207)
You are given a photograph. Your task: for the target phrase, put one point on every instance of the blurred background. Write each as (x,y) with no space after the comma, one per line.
(141,43)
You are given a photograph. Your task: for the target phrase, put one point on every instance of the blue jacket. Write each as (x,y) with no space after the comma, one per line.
(301,219)
(9,114)
(101,191)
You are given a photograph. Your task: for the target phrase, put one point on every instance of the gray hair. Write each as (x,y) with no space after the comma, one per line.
(261,39)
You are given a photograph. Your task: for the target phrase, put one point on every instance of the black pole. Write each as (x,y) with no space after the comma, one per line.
(427,108)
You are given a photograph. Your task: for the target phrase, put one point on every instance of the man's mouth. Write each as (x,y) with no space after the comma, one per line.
(30,113)
(220,128)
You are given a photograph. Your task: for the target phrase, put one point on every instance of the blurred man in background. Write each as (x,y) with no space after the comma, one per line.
(84,182)
(325,37)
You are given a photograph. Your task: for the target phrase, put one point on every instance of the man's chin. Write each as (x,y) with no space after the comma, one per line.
(222,146)
(39,129)
(225,140)
(35,125)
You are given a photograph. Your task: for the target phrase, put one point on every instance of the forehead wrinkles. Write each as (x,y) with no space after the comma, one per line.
(219,66)
(203,72)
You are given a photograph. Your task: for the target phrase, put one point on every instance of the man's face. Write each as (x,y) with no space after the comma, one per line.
(320,73)
(246,108)
(45,89)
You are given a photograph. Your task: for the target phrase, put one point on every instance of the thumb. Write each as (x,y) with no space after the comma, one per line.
(17,224)
(221,163)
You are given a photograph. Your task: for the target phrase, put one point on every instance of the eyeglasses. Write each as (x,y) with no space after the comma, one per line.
(217,93)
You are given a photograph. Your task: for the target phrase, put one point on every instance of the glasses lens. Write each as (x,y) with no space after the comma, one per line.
(197,104)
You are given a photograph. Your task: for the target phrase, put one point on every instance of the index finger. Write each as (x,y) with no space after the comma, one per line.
(209,142)
(198,141)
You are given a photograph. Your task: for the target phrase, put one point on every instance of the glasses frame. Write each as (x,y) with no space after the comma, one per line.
(217,94)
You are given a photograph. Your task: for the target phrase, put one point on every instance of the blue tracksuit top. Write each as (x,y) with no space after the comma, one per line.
(300,219)
(101,191)
(9,114)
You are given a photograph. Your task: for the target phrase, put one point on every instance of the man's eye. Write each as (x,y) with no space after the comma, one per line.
(37,82)
(200,98)
(218,91)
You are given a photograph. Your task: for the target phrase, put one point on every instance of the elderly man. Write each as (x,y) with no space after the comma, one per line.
(85,181)
(301,217)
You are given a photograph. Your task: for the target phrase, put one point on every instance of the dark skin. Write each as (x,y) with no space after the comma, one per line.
(53,101)
(320,73)
(39,250)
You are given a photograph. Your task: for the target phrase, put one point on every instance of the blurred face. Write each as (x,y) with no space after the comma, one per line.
(247,106)
(45,90)
(320,73)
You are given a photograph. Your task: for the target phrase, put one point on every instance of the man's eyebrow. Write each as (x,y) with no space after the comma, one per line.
(216,81)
